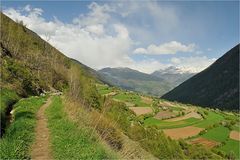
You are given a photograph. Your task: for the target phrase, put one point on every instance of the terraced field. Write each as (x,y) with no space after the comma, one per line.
(207,127)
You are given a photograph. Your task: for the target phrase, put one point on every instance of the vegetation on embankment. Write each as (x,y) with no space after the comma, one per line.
(68,141)
(19,136)
(7,99)
(106,129)
(33,66)
(151,138)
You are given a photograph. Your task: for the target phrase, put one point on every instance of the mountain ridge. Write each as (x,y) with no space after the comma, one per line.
(216,86)
(155,84)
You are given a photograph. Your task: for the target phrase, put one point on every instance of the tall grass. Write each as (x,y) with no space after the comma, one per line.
(68,141)
(107,130)
(18,138)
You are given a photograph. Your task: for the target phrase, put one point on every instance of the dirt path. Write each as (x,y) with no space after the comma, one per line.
(40,148)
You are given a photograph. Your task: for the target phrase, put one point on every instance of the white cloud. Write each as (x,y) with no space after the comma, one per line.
(97,41)
(167,48)
(95,29)
(192,64)
(88,43)
(99,14)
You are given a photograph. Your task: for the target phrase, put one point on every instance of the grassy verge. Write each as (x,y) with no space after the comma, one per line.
(7,98)
(67,140)
(19,136)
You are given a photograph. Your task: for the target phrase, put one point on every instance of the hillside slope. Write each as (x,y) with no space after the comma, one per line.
(31,66)
(134,80)
(217,86)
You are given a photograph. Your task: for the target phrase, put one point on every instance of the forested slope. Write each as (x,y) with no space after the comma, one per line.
(217,86)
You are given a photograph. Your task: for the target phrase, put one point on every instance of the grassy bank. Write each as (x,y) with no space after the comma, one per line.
(7,98)
(67,140)
(19,136)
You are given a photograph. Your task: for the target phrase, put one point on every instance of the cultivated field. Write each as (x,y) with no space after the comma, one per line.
(205,142)
(182,133)
(164,115)
(188,115)
(235,135)
(208,127)
(141,110)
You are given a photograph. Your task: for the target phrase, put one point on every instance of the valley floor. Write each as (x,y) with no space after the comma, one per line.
(129,127)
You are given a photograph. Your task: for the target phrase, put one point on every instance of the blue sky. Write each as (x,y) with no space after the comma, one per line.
(145,35)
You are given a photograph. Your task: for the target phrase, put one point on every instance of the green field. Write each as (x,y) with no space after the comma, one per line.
(219,134)
(211,119)
(231,146)
(132,98)
(18,138)
(102,89)
(165,125)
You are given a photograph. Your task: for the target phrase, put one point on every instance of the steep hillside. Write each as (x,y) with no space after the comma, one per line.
(217,86)
(134,80)
(173,75)
(31,66)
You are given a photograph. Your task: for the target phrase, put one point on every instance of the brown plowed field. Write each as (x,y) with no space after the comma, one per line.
(205,142)
(235,135)
(164,114)
(141,110)
(185,132)
(146,100)
(189,115)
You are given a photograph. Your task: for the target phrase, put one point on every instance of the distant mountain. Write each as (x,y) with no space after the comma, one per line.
(217,86)
(130,79)
(155,84)
(173,75)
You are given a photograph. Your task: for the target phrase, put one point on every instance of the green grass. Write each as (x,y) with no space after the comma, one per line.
(166,125)
(211,119)
(7,98)
(102,89)
(219,134)
(231,146)
(19,136)
(68,141)
(132,98)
